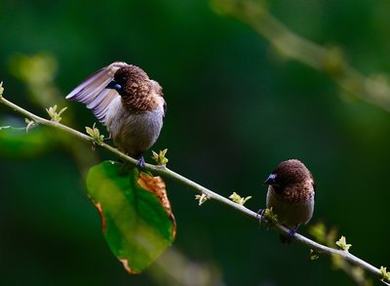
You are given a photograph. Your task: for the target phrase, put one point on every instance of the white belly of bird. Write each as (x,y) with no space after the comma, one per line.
(133,133)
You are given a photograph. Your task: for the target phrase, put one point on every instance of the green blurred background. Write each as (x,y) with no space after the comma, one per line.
(235,110)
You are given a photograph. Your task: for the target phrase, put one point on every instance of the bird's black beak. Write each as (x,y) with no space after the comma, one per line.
(114,85)
(271,180)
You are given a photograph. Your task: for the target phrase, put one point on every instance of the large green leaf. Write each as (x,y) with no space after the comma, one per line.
(135,212)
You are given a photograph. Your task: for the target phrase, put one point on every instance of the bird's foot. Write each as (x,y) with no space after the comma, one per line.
(260,214)
(141,163)
(292,232)
(107,138)
(290,235)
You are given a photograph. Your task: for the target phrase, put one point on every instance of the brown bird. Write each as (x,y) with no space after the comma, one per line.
(128,102)
(291,194)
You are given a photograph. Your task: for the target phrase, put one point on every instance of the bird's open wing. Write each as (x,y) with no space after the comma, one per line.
(92,91)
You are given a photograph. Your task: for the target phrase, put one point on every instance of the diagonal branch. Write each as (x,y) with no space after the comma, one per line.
(329,60)
(167,173)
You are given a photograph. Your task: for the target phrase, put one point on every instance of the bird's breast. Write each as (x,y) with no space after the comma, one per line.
(133,131)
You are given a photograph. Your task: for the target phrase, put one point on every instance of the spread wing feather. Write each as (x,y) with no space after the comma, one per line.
(92,91)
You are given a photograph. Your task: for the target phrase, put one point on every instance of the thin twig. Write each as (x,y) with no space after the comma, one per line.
(165,172)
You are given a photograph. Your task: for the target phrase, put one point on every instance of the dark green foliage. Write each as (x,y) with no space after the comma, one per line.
(18,143)
(235,109)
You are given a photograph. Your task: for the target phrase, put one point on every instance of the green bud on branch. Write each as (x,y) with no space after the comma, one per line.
(201,198)
(29,124)
(314,255)
(342,243)
(54,115)
(160,158)
(238,199)
(95,134)
(385,274)
(270,216)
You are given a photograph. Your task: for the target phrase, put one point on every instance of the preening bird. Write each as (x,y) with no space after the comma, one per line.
(128,102)
(291,194)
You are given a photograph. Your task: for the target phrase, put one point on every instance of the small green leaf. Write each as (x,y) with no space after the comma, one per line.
(54,115)
(160,158)
(314,255)
(95,134)
(137,220)
(29,124)
(270,216)
(342,243)
(385,274)
(201,198)
(238,199)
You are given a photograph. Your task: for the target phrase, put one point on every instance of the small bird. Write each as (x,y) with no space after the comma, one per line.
(291,194)
(128,102)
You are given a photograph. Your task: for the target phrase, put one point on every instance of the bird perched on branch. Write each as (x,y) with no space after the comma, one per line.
(128,102)
(291,194)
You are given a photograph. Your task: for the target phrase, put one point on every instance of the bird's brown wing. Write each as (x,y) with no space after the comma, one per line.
(93,93)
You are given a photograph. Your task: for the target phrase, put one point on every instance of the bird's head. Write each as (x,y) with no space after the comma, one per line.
(287,174)
(131,82)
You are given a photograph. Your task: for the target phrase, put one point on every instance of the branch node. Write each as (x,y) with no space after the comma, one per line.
(342,243)
(95,134)
(54,115)
(385,274)
(201,198)
(29,124)
(238,199)
(160,157)
(270,217)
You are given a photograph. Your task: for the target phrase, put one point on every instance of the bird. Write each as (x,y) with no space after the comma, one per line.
(290,194)
(128,103)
